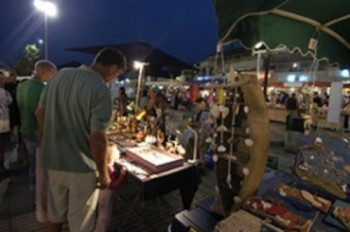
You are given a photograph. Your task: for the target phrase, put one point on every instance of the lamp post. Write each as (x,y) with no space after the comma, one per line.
(141,67)
(50,10)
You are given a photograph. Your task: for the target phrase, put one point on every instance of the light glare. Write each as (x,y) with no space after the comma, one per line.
(138,64)
(49,8)
(345,73)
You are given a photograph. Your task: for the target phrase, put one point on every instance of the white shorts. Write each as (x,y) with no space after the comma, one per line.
(73,196)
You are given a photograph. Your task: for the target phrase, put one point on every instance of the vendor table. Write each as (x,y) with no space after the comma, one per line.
(185,178)
(270,180)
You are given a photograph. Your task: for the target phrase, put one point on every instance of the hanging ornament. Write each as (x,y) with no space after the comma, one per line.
(246,109)
(249,142)
(208,140)
(246,171)
(221,148)
(221,129)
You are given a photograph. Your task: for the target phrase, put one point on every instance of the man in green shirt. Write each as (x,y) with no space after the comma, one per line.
(28,95)
(75,109)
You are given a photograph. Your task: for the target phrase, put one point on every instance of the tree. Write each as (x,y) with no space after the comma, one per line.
(25,65)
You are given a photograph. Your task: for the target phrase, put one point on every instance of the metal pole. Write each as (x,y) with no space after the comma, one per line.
(139,86)
(46,38)
(266,77)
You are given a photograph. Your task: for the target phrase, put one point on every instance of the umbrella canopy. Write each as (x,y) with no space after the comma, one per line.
(160,62)
(321,28)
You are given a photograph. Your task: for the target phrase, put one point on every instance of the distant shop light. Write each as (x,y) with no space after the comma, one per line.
(295,65)
(203,78)
(291,78)
(345,73)
(303,78)
(138,64)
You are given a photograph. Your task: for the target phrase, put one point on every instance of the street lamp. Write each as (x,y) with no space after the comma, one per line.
(50,10)
(141,67)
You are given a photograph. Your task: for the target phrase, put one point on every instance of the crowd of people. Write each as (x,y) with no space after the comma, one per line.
(297,103)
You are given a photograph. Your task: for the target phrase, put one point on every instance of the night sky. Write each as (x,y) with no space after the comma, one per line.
(184,28)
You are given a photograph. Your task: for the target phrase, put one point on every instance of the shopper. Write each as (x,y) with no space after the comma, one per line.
(156,109)
(317,100)
(292,106)
(10,85)
(5,101)
(28,95)
(203,130)
(76,108)
(122,101)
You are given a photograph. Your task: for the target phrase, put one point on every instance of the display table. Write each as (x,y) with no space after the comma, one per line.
(151,186)
(202,220)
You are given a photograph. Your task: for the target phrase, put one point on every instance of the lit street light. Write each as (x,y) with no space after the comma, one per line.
(50,10)
(140,66)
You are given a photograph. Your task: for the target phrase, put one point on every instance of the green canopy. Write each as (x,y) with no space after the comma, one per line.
(291,23)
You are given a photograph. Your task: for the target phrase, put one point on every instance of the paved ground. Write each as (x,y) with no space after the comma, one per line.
(17,207)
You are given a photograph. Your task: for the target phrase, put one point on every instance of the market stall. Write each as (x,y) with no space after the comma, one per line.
(249,197)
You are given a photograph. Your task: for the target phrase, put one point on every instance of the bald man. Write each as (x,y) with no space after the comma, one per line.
(28,95)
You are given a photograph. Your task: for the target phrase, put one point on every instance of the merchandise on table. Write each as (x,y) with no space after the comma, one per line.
(343,215)
(244,221)
(155,159)
(318,165)
(339,215)
(302,195)
(278,213)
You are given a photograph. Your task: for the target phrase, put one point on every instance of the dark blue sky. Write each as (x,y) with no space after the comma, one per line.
(184,28)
